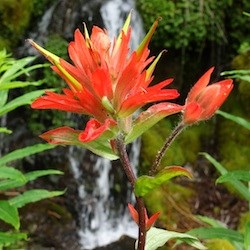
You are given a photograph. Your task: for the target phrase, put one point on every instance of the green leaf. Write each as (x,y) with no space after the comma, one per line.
(3,98)
(239,120)
(33,196)
(10,238)
(5,130)
(150,117)
(247,236)
(241,175)
(215,233)
(158,237)
(23,152)
(16,69)
(19,84)
(212,222)
(10,183)
(145,184)
(239,186)
(241,74)
(20,101)
(9,214)
(10,173)
(31,176)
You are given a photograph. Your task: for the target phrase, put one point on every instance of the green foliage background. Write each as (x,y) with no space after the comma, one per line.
(196,22)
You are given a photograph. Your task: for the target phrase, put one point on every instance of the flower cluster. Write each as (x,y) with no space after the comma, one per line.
(110,83)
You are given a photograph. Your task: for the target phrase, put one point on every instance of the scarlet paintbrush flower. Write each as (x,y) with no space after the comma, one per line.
(109,83)
(148,221)
(202,100)
(105,79)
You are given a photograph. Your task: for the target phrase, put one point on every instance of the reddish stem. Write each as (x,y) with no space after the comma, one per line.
(120,145)
(165,146)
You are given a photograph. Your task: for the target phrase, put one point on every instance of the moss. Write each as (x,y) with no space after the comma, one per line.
(14,19)
(219,244)
(242,61)
(171,199)
(233,145)
(244,220)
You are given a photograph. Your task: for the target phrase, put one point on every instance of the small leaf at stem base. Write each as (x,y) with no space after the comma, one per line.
(145,184)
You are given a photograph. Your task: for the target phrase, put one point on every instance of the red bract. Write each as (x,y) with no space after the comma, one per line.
(109,83)
(105,79)
(202,100)
(148,221)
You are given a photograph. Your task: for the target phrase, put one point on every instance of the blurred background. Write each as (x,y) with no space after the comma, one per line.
(92,214)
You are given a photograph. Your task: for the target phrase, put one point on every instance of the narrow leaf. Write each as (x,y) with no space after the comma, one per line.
(241,175)
(10,173)
(7,238)
(39,173)
(3,99)
(239,186)
(9,214)
(215,233)
(145,184)
(7,184)
(216,164)
(18,65)
(20,101)
(239,120)
(10,183)
(212,222)
(33,196)
(5,130)
(247,236)
(19,84)
(21,153)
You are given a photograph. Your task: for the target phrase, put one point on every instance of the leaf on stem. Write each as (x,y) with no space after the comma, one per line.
(9,214)
(158,237)
(145,184)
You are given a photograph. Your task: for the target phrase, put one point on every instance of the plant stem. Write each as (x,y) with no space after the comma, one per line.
(120,145)
(165,146)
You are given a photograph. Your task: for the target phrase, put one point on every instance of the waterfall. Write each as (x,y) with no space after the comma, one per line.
(102,220)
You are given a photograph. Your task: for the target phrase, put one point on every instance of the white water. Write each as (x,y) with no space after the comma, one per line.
(100,225)
(114,12)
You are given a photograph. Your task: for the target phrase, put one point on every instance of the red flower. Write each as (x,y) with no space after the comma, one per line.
(149,221)
(105,79)
(202,100)
(109,83)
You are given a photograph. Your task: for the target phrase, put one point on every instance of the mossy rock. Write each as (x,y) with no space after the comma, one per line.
(219,244)
(233,145)
(240,62)
(170,200)
(14,19)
